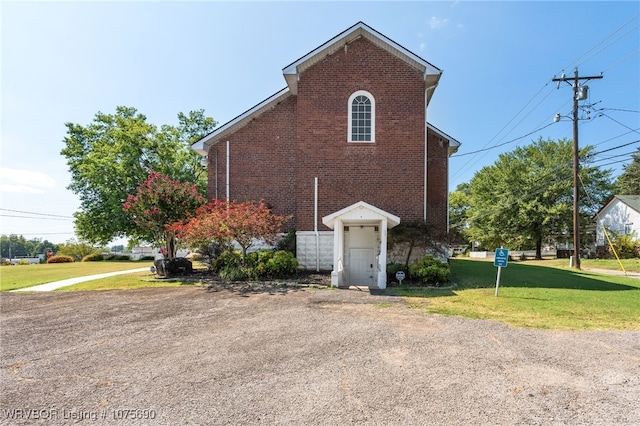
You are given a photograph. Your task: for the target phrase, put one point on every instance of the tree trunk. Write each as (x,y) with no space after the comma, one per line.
(539,248)
(171,245)
(406,263)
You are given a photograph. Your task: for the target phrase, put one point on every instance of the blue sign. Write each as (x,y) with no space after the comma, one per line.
(502,257)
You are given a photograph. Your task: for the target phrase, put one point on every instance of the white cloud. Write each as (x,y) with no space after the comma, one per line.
(436,23)
(24,181)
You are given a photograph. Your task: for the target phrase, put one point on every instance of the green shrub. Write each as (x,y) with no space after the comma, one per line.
(288,242)
(93,257)
(60,259)
(116,257)
(23,262)
(392,268)
(226,260)
(276,264)
(234,273)
(5,262)
(147,258)
(259,264)
(429,270)
(626,246)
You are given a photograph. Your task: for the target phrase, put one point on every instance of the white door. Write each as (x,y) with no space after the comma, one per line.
(361,267)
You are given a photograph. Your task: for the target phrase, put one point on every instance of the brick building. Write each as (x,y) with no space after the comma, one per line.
(345,149)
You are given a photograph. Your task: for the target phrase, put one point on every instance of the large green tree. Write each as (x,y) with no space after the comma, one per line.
(628,182)
(526,196)
(113,155)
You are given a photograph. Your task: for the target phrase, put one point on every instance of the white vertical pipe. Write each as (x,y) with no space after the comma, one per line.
(315,222)
(227,171)
(426,142)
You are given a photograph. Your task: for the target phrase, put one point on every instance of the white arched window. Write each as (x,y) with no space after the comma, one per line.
(362,117)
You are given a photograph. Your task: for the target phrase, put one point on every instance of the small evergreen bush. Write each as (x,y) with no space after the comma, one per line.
(226,260)
(429,270)
(272,264)
(60,259)
(23,262)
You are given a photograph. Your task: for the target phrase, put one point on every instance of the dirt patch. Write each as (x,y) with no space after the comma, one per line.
(301,355)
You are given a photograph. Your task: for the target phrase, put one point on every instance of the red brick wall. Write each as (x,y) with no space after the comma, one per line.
(388,173)
(262,161)
(277,156)
(437,181)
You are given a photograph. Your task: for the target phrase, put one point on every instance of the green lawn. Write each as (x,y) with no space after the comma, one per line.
(20,276)
(128,282)
(536,295)
(544,294)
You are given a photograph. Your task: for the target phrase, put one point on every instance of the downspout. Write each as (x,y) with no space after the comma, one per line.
(426,140)
(315,222)
(227,171)
(216,168)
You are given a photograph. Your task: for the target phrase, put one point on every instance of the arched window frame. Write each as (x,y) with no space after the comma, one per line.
(350,117)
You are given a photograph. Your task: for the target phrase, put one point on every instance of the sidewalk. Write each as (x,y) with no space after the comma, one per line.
(71,281)
(618,272)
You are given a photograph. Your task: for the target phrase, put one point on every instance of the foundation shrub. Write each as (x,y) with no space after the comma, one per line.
(272,264)
(429,270)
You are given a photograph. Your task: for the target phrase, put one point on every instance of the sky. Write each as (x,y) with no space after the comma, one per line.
(63,62)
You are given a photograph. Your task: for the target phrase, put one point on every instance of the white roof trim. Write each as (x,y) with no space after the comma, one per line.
(360,212)
(360,29)
(453,143)
(202,146)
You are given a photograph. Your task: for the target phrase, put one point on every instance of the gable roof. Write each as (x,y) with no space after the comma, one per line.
(431,77)
(632,201)
(202,146)
(431,73)
(361,212)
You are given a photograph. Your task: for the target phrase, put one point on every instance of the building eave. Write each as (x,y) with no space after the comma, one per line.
(430,72)
(453,143)
(202,146)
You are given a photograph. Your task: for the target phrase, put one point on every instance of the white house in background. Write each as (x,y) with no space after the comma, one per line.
(621,214)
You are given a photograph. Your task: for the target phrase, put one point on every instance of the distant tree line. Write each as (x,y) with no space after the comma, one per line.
(21,247)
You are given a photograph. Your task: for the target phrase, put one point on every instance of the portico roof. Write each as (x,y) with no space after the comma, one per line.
(359,213)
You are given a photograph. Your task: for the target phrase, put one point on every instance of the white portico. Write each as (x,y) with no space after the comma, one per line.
(360,245)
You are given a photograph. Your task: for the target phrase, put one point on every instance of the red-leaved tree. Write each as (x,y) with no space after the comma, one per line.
(225,222)
(160,202)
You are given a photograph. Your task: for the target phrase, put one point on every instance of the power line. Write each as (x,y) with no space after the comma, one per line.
(623,125)
(601,50)
(600,42)
(32,217)
(626,154)
(614,162)
(37,214)
(621,61)
(615,147)
(504,143)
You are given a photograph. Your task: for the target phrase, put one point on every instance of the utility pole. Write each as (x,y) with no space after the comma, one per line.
(579,93)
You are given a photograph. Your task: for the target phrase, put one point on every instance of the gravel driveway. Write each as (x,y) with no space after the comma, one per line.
(178,356)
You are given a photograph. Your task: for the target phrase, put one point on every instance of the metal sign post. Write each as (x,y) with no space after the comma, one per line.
(501,259)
